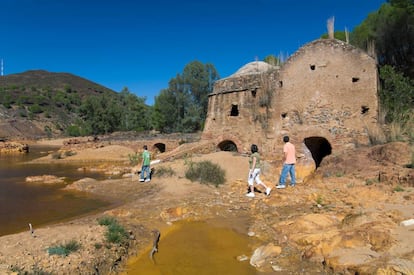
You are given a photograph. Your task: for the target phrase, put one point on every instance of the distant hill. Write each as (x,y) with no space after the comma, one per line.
(44,80)
(39,103)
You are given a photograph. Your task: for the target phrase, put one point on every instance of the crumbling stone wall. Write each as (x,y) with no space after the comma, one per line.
(325,94)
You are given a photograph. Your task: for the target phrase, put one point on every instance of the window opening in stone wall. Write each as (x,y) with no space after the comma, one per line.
(234,110)
(283,115)
(364,109)
(319,148)
(355,79)
(160,147)
(254,93)
(227,145)
(281,84)
(312,67)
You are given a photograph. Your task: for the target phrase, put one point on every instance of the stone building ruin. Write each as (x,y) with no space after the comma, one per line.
(324,97)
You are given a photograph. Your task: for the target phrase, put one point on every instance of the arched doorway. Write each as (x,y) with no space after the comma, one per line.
(227,145)
(319,148)
(160,147)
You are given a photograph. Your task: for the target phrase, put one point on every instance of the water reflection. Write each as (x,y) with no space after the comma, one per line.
(22,203)
(196,248)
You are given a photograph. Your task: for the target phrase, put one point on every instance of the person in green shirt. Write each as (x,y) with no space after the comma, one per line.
(254,172)
(145,166)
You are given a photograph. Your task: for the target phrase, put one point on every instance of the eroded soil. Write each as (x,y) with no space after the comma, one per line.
(343,219)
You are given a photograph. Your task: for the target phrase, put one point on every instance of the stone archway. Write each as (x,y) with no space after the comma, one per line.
(319,148)
(160,147)
(227,145)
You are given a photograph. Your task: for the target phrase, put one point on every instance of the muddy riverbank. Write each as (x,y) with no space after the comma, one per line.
(338,221)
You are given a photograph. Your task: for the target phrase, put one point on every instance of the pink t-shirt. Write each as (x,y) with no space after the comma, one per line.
(289,150)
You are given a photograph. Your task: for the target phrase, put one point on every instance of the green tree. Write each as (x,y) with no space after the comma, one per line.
(102,114)
(135,114)
(396,95)
(182,107)
(391,30)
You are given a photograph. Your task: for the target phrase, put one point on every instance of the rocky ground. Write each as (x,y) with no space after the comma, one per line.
(347,218)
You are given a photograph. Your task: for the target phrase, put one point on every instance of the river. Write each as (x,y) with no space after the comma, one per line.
(22,203)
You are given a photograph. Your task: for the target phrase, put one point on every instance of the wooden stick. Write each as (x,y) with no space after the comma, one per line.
(154,249)
(31,230)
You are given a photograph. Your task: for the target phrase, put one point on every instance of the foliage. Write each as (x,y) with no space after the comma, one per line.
(116,233)
(134,159)
(272,60)
(163,171)
(376,135)
(64,249)
(182,107)
(396,95)
(90,110)
(340,35)
(56,155)
(391,30)
(398,188)
(205,172)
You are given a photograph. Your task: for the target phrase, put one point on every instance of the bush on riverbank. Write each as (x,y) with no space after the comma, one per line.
(64,249)
(116,233)
(205,172)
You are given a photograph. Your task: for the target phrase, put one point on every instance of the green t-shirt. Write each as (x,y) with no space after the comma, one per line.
(257,155)
(146,158)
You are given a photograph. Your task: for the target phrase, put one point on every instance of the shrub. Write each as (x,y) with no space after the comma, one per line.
(35,109)
(116,233)
(69,153)
(165,171)
(65,249)
(56,155)
(134,159)
(73,131)
(205,172)
(398,189)
(376,135)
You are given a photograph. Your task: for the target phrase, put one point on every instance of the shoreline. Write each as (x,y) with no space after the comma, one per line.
(359,219)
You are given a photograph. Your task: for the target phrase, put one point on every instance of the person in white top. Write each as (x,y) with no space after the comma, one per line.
(254,172)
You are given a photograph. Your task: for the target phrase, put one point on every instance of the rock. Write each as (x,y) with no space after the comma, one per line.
(407,222)
(13,147)
(242,258)
(45,179)
(260,255)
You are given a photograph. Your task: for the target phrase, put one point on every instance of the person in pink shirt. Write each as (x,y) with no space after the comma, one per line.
(289,160)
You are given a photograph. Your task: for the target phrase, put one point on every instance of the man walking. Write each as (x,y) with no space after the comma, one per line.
(289,160)
(145,166)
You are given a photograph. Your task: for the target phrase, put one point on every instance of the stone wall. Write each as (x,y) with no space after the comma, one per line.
(324,97)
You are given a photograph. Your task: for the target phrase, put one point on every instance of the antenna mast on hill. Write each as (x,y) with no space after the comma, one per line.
(2,67)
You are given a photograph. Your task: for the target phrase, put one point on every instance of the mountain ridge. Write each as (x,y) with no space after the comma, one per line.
(38,103)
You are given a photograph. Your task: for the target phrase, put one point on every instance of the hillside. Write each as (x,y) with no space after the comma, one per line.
(39,103)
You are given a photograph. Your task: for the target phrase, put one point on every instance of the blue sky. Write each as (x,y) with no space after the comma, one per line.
(143,44)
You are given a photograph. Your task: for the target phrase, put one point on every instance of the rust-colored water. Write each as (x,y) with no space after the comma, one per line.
(22,203)
(196,248)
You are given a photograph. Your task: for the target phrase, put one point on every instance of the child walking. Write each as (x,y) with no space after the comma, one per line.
(145,165)
(254,172)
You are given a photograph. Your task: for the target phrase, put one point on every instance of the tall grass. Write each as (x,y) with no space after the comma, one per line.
(376,135)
